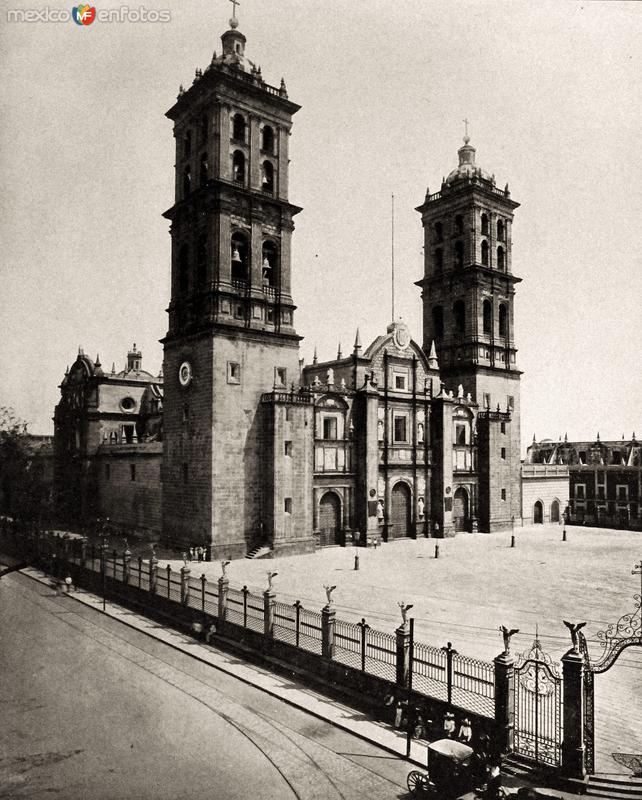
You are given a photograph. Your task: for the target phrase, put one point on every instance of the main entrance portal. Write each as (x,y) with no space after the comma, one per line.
(400,511)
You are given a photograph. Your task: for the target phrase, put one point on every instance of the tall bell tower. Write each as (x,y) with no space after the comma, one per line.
(468,292)
(231,330)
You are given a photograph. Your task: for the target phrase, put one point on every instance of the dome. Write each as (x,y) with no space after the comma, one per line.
(467,168)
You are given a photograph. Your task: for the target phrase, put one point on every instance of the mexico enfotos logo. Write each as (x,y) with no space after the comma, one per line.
(85,15)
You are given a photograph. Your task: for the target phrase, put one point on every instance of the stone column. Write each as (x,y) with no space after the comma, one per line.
(185,573)
(328,615)
(573,748)
(269,601)
(223,585)
(127,558)
(403,655)
(505,701)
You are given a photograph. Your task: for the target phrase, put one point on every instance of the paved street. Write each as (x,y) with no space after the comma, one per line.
(479,583)
(94,709)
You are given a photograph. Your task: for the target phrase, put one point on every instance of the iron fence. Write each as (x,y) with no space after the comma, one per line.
(439,673)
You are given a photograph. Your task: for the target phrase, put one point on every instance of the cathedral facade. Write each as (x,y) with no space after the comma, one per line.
(402,438)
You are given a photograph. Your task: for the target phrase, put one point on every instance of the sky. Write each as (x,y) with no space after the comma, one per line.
(552,92)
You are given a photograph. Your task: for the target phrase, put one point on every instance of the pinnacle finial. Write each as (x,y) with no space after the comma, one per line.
(98,360)
(113,367)
(339,353)
(315,358)
(357,341)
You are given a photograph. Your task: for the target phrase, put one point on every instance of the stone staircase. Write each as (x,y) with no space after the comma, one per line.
(614,786)
(260,551)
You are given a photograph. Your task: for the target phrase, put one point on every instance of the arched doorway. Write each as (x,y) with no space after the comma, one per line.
(330,519)
(555,511)
(460,509)
(538,513)
(400,511)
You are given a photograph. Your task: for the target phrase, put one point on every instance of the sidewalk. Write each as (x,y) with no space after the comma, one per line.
(276,685)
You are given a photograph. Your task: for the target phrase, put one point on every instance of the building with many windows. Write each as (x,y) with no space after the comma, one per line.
(605,479)
(402,438)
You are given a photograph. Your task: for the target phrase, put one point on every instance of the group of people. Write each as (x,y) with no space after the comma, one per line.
(197,553)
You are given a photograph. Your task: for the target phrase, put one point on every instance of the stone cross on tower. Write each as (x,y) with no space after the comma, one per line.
(234,3)
(465,121)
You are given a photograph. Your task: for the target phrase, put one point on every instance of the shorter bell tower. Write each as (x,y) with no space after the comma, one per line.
(468,292)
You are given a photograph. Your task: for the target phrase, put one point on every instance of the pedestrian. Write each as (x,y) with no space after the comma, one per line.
(449,724)
(399,713)
(465,732)
(192,556)
(389,706)
(200,553)
(210,632)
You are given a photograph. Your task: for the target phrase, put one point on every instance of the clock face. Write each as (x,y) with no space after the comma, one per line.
(185,373)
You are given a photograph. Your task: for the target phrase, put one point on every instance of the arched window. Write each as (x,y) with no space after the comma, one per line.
(439,259)
(240,257)
(500,258)
(503,320)
(500,230)
(267,139)
(238,167)
(269,263)
(187,144)
(187,180)
(201,260)
(267,177)
(438,321)
(487,311)
(484,252)
(183,268)
(459,224)
(439,232)
(459,255)
(204,170)
(459,313)
(238,128)
(484,224)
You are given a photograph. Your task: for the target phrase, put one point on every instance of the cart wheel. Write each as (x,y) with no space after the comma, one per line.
(416,783)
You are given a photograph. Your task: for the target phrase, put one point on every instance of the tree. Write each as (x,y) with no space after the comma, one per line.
(25,492)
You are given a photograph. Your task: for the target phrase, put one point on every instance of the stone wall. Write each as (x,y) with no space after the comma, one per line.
(544,483)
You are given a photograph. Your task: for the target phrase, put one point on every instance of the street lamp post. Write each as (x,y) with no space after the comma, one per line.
(103,551)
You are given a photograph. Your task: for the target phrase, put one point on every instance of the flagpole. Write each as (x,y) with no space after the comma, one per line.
(392,254)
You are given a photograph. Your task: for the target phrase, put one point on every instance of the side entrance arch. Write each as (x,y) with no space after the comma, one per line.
(555,511)
(400,511)
(460,509)
(538,513)
(330,519)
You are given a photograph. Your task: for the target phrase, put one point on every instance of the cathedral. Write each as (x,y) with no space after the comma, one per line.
(255,450)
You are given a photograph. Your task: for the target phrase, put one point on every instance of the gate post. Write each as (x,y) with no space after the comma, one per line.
(185,573)
(269,601)
(223,586)
(127,560)
(328,615)
(573,748)
(403,655)
(505,701)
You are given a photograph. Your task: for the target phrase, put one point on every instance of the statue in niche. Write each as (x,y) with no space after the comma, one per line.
(460,391)
(380,430)
(330,377)
(420,432)
(420,506)
(380,514)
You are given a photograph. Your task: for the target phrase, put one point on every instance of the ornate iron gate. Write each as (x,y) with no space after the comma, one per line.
(538,707)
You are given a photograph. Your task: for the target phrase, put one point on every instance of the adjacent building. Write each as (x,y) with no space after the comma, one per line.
(605,479)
